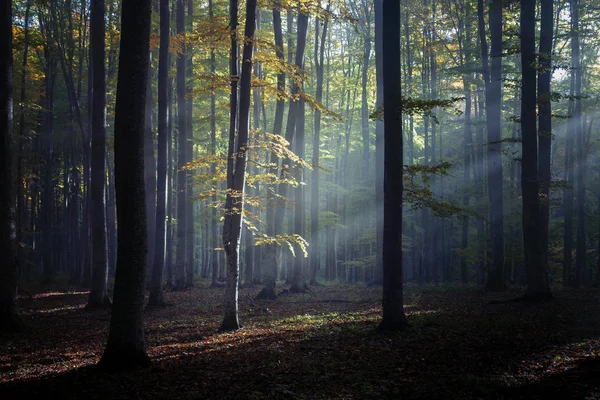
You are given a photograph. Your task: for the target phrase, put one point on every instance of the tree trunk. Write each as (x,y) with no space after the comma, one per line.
(98,297)
(269,254)
(182,263)
(580,247)
(126,346)
(393,310)
(545,120)
(10,319)
(299,280)
(156,287)
(537,277)
(236,171)
(493,101)
(379,143)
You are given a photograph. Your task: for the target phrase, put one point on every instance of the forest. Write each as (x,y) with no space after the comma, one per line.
(299,199)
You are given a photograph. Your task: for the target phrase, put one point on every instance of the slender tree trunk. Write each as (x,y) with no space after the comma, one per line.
(126,345)
(299,279)
(234,203)
(98,294)
(580,247)
(545,120)
(182,263)
(493,100)
(537,277)
(190,211)
(156,288)
(269,254)
(379,143)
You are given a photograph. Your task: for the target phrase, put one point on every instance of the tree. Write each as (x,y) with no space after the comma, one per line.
(182,187)
(393,309)
(126,346)
(537,277)
(493,102)
(269,254)
(98,295)
(545,119)
(10,319)
(236,169)
(156,287)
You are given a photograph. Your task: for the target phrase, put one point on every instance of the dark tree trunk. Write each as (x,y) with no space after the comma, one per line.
(315,197)
(98,297)
(545,120)
(213,149)
(126,346)
(189,212)
(236,175)
(269,253)
(493,101)
(10,319)
(379,143)
(156,287)
(181,263)
(393,309)
(150,167)
(537,277)
(580,247)
(299,279)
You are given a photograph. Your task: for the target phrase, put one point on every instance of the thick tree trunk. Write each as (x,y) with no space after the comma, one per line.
(126,346)
(10,319)
(393,309)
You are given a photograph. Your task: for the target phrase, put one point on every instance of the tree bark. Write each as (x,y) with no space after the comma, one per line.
(98,297)
(126,346)
(393,317)
(234,203)
(10,318)
(156,288)
(537,277)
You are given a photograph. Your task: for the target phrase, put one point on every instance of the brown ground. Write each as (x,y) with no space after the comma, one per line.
(319,345)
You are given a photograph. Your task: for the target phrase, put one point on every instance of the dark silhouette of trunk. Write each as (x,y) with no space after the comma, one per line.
(213,150)
(379,143)
(189,212)
(315,197)
(269,253)
(299,279)
(98,295)
(156,287)
(537,277)
(567,278)
(170,178)
(10,318)
(150,167)
(236,175)
(181,263)
(393,309)
(47,212)
(493,101)
(126,346)
(545,120)
(21,199)
(576,116)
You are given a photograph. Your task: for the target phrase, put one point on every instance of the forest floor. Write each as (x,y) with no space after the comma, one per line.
(318,345)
